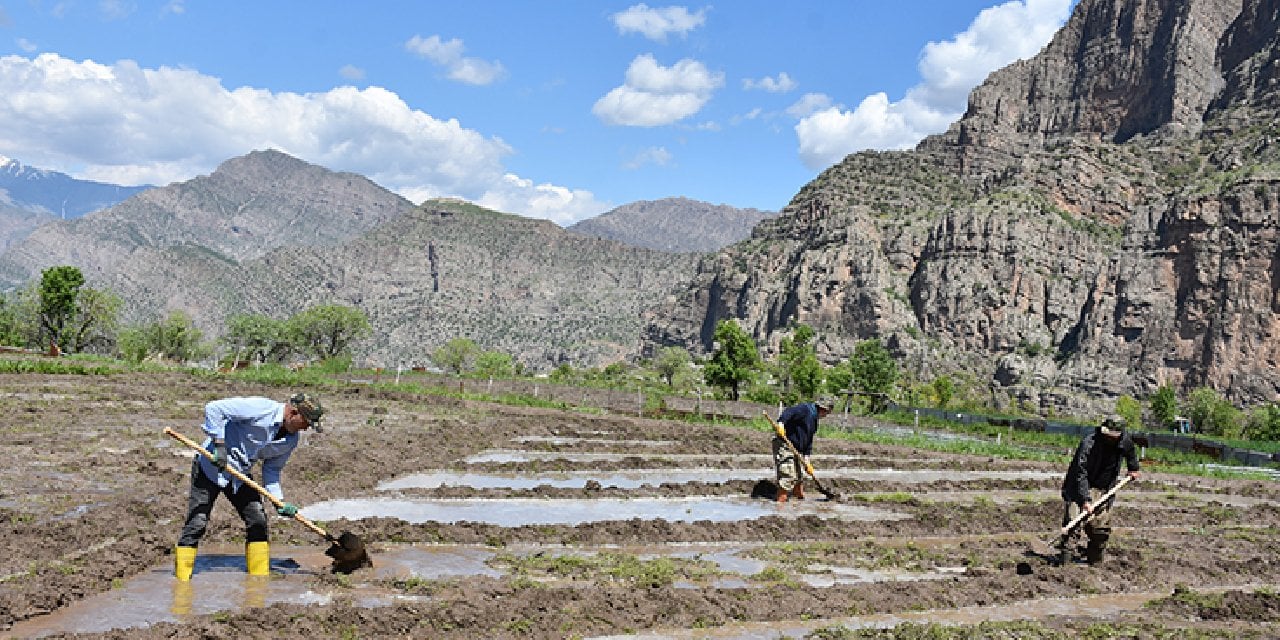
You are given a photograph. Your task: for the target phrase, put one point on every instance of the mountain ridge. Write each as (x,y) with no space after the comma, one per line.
(271,234)
(677,224)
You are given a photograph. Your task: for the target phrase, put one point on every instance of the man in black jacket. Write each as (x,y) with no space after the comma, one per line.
(1094,469)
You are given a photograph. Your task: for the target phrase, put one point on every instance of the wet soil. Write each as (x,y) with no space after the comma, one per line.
(92,496)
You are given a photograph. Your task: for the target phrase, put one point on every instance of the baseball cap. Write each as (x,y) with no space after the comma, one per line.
(824,402)
(310,408)
(1112,425)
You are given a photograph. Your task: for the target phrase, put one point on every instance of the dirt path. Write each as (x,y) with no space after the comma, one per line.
(92,496)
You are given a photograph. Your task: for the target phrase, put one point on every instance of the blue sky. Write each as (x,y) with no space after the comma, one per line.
(556,109)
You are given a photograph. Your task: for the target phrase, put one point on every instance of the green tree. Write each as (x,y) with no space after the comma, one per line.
(672,362)
(1164,405)
(456,355)
(875,372)
(735,360)
(328,331)
(174,338)
(838,378)
(494,364)
(562,373)
(96,321)
(1131,410)
(800,371)
(1212,414)
(131,344)
(944,388)
(11,330)
(614,372)
(257,338)
(1264,423)
(59,289)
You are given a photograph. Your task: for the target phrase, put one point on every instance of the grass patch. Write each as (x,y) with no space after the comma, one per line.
(55,367)
(612,567)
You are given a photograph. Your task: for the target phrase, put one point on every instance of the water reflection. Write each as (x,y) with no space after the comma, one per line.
(515,512)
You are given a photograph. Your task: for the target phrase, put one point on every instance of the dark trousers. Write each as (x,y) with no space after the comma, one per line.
(204,492)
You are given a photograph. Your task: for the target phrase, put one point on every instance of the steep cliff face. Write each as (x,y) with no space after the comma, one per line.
(1102,220)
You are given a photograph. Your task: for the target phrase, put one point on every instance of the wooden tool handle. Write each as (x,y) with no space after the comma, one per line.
(1085,515)
(247,480)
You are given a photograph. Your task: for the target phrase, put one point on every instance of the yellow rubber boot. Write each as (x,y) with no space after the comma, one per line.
(184,562)
(257,557)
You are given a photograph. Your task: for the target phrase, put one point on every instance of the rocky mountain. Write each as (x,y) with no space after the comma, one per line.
(30,197)
(57,194)
(17,223)
(250,206)
(1101,221)
(674,224)
(449,269)
(268,233)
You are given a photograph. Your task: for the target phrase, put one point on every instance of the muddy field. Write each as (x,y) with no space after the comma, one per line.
(498,521)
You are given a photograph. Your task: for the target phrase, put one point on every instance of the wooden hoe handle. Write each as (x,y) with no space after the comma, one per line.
(782,433)
(1085,515)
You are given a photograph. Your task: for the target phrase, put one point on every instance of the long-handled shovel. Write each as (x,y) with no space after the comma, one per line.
(1055,545)
(347,550)
(782,433)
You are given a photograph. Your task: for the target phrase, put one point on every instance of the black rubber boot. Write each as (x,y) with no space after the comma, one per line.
(1096,550)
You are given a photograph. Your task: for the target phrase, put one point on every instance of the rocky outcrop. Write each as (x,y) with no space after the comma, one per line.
(1101,221)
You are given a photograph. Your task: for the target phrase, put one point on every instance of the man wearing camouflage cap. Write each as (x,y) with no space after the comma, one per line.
(242,431)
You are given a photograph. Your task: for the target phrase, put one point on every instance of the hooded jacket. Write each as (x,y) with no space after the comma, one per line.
(1096,464)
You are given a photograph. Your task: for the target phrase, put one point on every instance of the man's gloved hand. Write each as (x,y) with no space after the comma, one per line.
(288,510)
(220,455)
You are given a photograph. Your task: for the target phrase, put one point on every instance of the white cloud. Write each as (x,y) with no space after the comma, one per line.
(753,114)
(116,9)
(782,84)
(561,205)
(176,7)
(457,66)
(808,104)
(949,70)
(655,95)
(27,45)
(128,125)
(351,72)
(657,156)
(656,23)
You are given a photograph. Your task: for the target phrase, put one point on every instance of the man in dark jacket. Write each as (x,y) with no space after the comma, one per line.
(1094,469)
(801,423)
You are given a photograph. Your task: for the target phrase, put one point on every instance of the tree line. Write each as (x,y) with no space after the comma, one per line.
(61,313)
